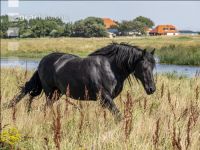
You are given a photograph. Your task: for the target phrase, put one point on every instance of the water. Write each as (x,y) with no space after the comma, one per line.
(12,62)
(189,71)
(32,64)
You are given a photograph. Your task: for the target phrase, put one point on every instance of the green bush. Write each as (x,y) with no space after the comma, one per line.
(180,55)
(27,34)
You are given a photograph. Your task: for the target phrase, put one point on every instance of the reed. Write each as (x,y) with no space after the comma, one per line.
(156,135)
(197,93)
(46,144)
(172,121)
(188,139)
(81,123)
(162,90)
(128,108)
(14,110)
(57,126)
(176,139)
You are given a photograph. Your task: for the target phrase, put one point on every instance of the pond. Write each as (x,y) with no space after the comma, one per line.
(30,64)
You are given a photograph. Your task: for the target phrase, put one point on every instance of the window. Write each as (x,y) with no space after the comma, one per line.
(172,28)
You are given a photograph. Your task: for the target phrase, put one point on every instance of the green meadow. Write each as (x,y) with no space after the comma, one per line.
(181,50)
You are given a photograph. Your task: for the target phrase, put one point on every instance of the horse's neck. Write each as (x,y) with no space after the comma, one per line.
(119,72)
(124,72)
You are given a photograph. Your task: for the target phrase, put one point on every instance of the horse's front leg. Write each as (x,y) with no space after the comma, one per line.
(108,102)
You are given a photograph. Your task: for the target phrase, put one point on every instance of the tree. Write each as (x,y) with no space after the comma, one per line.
(52,23)
(134,27)
(27,34)
(145,21)
(68,29)
(23,26)
(43,27)
(54,33)
(37,26)
(4,26)
(139,28)
(57,20)
(89,27)
(126,26)
(55,27)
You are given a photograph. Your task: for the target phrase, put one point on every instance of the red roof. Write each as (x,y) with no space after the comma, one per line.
(161,29)
(109,22)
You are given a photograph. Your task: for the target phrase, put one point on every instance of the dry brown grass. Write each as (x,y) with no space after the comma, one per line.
(168,119)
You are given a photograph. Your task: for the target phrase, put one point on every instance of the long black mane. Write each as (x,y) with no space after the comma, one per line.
(123,53)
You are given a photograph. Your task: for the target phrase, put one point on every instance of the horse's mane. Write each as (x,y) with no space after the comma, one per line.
(121,52)
(116,48)
(124,54)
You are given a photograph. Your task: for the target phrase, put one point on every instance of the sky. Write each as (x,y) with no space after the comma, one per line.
(182,14)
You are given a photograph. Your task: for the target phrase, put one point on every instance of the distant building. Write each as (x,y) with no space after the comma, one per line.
(164,30)
(109,23)
(147,30)
(13,32)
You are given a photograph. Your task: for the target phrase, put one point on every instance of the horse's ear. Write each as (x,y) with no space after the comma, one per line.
(144,52)
(153,51)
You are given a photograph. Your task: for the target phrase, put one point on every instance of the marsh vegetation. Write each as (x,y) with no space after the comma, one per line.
(168,119)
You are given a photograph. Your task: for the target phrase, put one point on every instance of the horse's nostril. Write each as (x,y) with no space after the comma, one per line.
(151,89)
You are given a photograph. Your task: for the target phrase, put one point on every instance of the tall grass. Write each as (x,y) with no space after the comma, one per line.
(168,119)
(180,55)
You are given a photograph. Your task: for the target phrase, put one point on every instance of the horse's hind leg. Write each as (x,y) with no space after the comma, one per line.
(17,98)
(52,96)
(108,102)
(30,100)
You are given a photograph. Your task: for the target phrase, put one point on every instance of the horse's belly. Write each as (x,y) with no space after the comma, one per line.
(82,93)
(77,89)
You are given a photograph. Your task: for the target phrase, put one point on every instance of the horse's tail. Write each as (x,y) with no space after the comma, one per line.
(33,87)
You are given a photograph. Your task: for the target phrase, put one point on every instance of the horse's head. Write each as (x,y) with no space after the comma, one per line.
(144,71)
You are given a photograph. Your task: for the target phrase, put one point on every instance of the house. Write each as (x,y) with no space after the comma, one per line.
(109,23)
(147,30)
(164,30)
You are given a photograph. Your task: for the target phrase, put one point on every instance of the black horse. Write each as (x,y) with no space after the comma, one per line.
(103,71)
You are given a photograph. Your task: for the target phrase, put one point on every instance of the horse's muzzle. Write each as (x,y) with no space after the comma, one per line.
(150,90)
